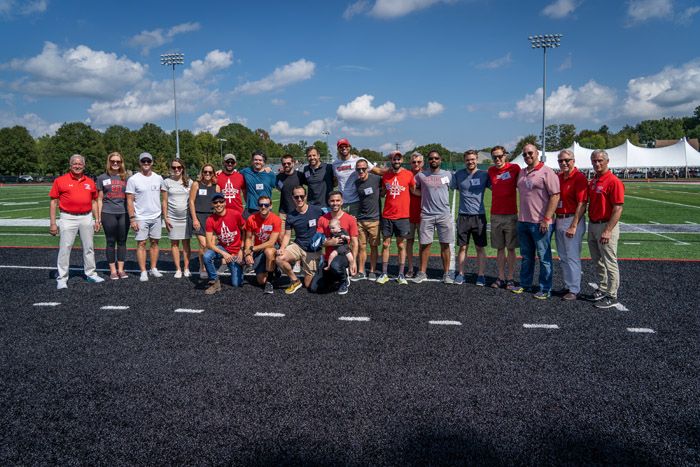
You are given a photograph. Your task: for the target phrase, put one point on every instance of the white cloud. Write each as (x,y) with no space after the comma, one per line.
(243,121)
(36,125)
(561,8)
(499,62)
(355,9)
(687,15)
(277,102)
(639,11)
(360,110)
(288,74)
(365,132)
(673,91)
(504,114)
(354,68)
(214,61)
(403,147)
(566,103)
(147,40)
(388,9)
(566,64)
(312,130)
(10,8)
(75,72)
(430,110)
(212,122)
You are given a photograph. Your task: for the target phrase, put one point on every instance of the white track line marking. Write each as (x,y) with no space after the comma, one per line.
(27,235)
(691,223)
(540,326)
(629,243)
(677,242)
(446,323)
(593,285)
(664,202)
(271,315)
(621,307)
(114,307)
(353,318)
(652,222)
(187,310)
(643,330)
(47,304)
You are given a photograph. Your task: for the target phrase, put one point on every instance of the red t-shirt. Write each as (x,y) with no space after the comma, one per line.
(397,185)
(503,188)
(263,228)
(74,195)
(603,193)
(573,191)
(414,209)
(232,188)
(347,222)
(227,229)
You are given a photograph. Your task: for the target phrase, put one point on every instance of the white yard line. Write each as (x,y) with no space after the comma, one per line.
(353,318)
(270,315)
(187,310)
(642,330)
(445,323)
(664,202)
(47,304)
(540,326)
(678,242)
(114,307)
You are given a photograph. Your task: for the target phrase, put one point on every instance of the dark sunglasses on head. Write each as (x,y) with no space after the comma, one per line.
(299,196)
(263,205)
(565,160)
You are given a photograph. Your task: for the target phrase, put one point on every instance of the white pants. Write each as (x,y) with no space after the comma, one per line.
(68,226)
(569,250)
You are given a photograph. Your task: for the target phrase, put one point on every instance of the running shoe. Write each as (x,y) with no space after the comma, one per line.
(95,278)
(122,275)
(269,288)
(372,276)
(383,279)
(178,274)
(481,281)
(155,273)
(522,289)
(114,276)
(607,302)
(60,285)
(447,279)
(144,276)
(420,277)
(402,279)
(543,295)
(187,273)
(293,287)
(595,296)
(459,280)
(343,289)
(360,276)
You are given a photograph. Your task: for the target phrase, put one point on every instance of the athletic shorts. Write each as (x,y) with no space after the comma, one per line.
(368,233)
(504,231)
(308,259)
(428,225)
(394,227)
(149,228)
(259,262)
(352,208)
(469,225)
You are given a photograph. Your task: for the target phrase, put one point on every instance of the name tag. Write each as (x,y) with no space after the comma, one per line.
(155,188)
(312,222)
(528,184)
(369,191)
(476,182)
(307,174)
(505,176)
(267,228)
(107,182)
(280,184)
(259,186)
(202,191)
(445,180)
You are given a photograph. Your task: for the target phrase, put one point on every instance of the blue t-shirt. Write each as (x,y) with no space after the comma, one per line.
(257,184)
(304,225)
(471,190)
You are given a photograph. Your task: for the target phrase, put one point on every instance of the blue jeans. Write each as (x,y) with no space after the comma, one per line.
(533,241)
(236,270)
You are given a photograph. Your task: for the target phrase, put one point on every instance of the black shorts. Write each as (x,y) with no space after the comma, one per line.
(471,225)
(259,262)
(395,227)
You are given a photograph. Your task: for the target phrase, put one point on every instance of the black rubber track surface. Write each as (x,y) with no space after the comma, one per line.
(80,385)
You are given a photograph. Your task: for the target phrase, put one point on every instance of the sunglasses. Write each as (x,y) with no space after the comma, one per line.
(287,163)
(416,162)
(146,161)
(299,196)
(498,157)
(207,172)
(218,201)
(528,153)
(565,161)
(433,158)
(229,162)
(360,169)
(115,162)
(176,167)
(263,205)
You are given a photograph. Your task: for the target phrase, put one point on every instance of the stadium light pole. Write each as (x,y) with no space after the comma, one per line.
(544,42)
(326,132)
(221,150)
(172,60)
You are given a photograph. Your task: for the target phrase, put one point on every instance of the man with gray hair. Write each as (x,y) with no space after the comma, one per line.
(75,195)
(606,195)
(413,214)
(569,229)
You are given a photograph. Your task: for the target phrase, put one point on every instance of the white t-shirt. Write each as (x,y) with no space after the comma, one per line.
(146,191)
(344,172)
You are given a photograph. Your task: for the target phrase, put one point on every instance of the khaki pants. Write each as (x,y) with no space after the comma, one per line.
(604,258)
(68,226)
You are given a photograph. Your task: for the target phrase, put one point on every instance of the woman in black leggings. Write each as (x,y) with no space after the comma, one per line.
(112,214)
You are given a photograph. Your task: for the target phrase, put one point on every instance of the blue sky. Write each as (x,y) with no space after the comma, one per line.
(377,72)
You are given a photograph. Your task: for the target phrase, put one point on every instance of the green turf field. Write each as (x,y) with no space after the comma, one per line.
(645,204)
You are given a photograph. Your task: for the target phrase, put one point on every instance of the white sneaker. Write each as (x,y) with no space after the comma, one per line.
(297,268)
(144,276)
(60,285)
(203,274)
(155,273)
(96,279)
(187,273)
(178,274)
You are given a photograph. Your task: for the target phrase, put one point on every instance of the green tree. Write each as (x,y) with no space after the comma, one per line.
(323,149)
(595,141)
(78,138)
(152,139)
(208,149)
(559,137)
(120,139)
(17,151)
(665,128)
(240,141)
(371,155)
(42,154)
(188,150)
(529,139)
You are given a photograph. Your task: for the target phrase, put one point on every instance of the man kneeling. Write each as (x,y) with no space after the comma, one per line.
(225,225)
(262,230)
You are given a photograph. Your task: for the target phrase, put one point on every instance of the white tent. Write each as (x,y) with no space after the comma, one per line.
(629,156)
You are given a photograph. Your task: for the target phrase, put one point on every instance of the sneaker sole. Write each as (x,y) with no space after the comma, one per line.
(288,292)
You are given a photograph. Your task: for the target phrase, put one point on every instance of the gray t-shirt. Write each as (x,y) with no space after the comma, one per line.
(113,190)
(146,191)
(370,201)
(178,198)
(435,192)
(344,172)
(471,190)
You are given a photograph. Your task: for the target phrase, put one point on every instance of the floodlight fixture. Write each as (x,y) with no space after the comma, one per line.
(547,41)
(172,60)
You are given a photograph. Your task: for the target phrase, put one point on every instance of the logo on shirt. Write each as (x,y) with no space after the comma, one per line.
(395,189)
(226,236)
(229,191)
(87,186)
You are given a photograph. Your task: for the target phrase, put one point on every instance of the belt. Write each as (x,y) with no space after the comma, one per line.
(602,221)
(76,213)
(565,215)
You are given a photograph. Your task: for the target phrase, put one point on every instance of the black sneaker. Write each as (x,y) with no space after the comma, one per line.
(343,289)
(269,288)
(607,302)
(360,276)
(595,296)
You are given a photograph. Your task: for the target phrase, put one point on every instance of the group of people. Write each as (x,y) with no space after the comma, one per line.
(338,208)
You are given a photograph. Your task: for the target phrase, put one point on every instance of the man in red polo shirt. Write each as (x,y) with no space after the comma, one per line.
(569,229)
(414,214)
(76,197)
(606,195)
(504,215)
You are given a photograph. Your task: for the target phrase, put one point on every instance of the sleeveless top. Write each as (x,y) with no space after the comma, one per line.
(202,202)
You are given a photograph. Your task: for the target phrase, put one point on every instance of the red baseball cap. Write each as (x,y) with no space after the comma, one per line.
(393,153)
(343,142)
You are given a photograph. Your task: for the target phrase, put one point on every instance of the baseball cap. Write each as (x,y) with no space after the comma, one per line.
(343,142)
(145,155)
(229,157)
(216,196)
(393,153)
